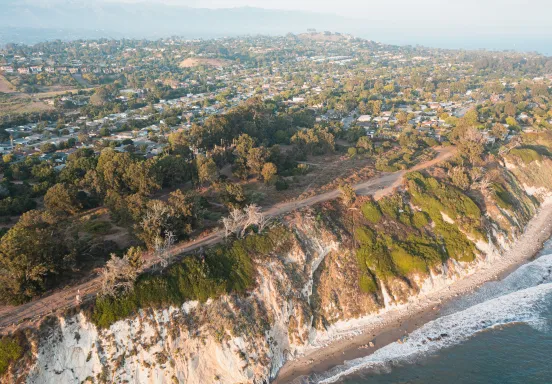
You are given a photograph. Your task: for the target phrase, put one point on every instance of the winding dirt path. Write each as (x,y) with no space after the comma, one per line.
(13,317)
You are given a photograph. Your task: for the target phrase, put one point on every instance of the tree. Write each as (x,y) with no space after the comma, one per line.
(173,170)
(402,117)
(511,122)
(123,174)
(269,172)
(62,199)
(157,220)
(459,178)
(118,275)
(186,209)
(239,169)
(239,221)
(499,131)
(365,143)
(244,143)
(315,141)
(471,144)
(348,194)
(256,159)
(510,109)
(135,257)
(471,118)
(7,158)
(100,97)
(48,148)
(232,195)
(179,143)
(31,252)
(163,247)
(375,106)
(207,171)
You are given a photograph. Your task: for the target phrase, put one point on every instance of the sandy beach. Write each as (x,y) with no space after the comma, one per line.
(387,327)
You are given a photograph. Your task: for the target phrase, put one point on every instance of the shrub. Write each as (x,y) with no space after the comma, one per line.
(503,198)
(405,218)
(420,219)
(406,263)
(391,205)
(10,351)
(367,282)
(97,227)
(435,197)
(425,247)
(527,155)
(457,245)
(365,236)
(377,259)
(223,269)
(371,211)
(281,185)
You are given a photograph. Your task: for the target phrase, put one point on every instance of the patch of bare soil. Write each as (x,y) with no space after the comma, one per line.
(6,86)
(197,61)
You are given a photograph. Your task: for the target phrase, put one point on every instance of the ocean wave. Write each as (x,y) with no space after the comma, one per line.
(528,275)
(522,306)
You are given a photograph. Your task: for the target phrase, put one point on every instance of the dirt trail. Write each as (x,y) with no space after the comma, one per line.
(65,298)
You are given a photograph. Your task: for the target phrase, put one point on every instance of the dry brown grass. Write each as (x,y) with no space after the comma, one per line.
(53,91)
(6,86)
(23,105)
(325,174)
(197,61)
(321,37)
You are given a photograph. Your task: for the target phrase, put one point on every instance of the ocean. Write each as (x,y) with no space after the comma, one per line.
(501,333)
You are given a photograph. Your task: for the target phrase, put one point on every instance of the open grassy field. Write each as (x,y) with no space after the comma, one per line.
(197,61)
(20,103)
(6,86)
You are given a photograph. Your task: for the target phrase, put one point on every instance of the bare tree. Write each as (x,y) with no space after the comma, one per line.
(234,223)
(118,275)
(157,218)
(239,220)
(255,217)
(485,184)
(163,248)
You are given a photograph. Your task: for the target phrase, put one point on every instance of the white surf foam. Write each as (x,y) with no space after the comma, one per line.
(528,275)
(511,302)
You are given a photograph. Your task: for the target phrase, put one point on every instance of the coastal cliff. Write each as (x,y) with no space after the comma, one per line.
(327,271)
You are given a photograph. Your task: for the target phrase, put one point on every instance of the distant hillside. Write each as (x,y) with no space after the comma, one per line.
(89,19)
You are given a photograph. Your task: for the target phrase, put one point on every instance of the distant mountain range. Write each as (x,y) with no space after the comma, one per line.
(33,21)
(30,22)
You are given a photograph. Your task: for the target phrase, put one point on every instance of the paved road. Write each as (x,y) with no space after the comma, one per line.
(62,299)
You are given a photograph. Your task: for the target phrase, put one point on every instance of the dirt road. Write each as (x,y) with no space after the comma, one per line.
(64,298)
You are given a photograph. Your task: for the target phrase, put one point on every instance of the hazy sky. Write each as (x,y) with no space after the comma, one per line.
(497,24)
(469,17)
(491,14)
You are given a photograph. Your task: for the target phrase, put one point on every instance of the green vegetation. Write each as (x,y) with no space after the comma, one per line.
(211,129)
(31,253)
(435,198)
(371,211)
(97,227)
(396,241)
(407,263)
(10,351)
(527,155)
(420,219)
(221,270)
(367,282)
(503,198)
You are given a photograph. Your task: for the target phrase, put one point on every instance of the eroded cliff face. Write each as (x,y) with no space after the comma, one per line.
(307,292)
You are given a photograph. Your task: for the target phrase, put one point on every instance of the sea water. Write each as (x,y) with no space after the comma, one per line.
(501,333)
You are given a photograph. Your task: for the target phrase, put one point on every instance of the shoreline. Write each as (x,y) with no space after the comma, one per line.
(399,321)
